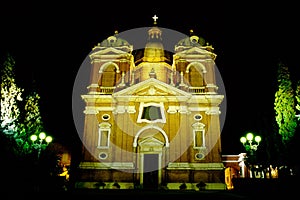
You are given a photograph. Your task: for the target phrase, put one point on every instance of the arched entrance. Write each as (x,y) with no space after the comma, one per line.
(151,142)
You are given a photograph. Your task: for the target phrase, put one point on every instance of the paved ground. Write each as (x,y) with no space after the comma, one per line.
(244,189)
(169,194)
(133,195)
(153,195)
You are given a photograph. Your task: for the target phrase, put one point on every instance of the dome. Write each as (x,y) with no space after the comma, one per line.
(192,40)
(114,41)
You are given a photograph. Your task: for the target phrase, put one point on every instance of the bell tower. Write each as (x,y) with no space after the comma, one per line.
(155,61)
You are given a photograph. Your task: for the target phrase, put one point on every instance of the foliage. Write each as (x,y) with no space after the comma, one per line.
(100,185)
(21,118)
(201,185)
(11,94)
(32,122)
(50,160)
(284,105)
(116,185)
(298,97)
(182,186)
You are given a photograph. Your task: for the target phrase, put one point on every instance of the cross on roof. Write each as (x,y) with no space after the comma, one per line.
(154,18)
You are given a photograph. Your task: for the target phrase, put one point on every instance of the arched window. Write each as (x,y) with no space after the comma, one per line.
(195,77)
(195,74)
(109,73)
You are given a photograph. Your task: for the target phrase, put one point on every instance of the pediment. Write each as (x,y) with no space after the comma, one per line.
(152,87)
(151,141)
(195,51)
(108,51)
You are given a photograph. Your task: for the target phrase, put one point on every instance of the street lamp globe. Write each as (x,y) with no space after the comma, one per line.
(243,140)
(48,139)
(42,135)
(257,139)
(249,136)
(33,138)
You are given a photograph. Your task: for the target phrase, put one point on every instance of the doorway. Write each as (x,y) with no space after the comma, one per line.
(150,171)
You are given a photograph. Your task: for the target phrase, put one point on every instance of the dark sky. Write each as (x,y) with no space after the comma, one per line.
(49,42)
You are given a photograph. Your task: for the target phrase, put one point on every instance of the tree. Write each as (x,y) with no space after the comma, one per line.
(19,120)
(11,98)
(298,98)
(11,95)
(31,123)
(284,105)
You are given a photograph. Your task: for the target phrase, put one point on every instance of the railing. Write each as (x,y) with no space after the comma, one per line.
(192,90)
(107,90)
(196,90)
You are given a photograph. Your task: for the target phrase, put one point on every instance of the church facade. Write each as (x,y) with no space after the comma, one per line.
(152,117)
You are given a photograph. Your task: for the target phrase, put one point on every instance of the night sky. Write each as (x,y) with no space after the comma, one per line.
(49,42)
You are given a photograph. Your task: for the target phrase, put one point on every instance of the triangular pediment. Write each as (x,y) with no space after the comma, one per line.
(151,141)
(108,51)
(152,87)
(195,51)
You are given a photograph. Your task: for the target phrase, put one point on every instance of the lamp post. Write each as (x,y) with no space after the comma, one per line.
(39,142)
(250,142)
(43,141)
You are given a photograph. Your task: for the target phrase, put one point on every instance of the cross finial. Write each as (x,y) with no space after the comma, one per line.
(154,18)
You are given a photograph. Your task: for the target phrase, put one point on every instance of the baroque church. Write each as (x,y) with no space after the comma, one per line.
(152,117)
